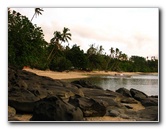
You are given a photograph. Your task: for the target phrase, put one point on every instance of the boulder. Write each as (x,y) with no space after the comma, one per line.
(55,100)
(113,113)
(26,88)
(89,106)
(91,92)
(55,109)
(150,113)
(124,92)
(138,95)
(85,84)
(149,102)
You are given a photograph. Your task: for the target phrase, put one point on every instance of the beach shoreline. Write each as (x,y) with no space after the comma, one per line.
(81,74)
(115,105)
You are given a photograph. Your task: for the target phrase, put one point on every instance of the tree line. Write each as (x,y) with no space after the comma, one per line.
(27,47)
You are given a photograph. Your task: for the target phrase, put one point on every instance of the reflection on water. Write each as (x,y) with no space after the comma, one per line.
(146,83)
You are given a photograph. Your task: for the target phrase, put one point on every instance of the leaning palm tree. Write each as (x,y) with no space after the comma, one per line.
(58,36)
(55,41)
(37,12)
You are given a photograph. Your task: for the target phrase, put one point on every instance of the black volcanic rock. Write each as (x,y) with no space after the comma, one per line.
(26,88)
(55,109)
(150,113)
(138,95)
(55,100)
(89,106)
(149,102)
(124,92)
(85,84)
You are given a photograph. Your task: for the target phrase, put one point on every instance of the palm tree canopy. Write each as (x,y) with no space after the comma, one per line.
(112,50)
(57,37)
(117,50)
(37,12)
(66,35)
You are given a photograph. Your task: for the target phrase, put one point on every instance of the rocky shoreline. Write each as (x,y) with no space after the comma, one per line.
(56,100)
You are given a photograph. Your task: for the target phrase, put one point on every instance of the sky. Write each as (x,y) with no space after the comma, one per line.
(134,31)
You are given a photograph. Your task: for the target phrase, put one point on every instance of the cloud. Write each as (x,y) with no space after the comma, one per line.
(133,31)
(136,43)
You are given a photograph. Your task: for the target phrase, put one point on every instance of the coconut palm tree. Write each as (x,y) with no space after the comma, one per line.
(92,50)
(117,52)
(37,12)
(124,56)
(58,36)
(55,41)
(112,51)
(66,35)
(101,49)
(120,54)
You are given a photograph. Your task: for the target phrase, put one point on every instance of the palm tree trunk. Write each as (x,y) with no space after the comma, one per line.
(33,16)
(51,53)
(50,59)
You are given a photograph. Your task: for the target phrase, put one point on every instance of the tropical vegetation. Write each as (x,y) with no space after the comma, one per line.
(27,47)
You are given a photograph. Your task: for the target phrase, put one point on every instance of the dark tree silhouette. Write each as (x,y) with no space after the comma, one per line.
(37,12)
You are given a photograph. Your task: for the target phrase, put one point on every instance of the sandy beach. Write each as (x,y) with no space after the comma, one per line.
(78,74)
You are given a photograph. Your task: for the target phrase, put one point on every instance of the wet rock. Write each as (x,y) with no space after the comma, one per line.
(113,113)
(25,88)
(89,106)
(91,92)
(85,84)
(48,99)
(106,97)
(149,102)
(138,95)
(124,92)
(150,113)
(55,109)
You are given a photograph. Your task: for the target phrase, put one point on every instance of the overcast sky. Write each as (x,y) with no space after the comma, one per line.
(135,31)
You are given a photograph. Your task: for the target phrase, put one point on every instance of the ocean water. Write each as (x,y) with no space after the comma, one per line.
(148,84)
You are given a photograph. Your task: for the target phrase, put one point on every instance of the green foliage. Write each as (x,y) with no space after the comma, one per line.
(60,64)
(55,42)
(26,45)
(77,57)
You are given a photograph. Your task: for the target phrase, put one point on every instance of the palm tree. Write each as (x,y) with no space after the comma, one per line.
(66,35)
(120,54)
(112,51)
(37,12)
(124,56)
(58,36)
(117,52)
(101,49)
(92,50)
(55,41)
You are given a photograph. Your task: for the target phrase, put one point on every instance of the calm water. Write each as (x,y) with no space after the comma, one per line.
(146,83)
